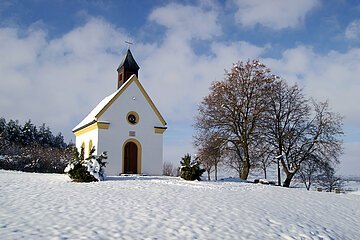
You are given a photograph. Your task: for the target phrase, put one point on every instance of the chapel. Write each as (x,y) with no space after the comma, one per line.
(127,125)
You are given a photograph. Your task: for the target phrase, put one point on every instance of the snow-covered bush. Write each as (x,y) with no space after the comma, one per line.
(190,170)
(95,165)
(90,169)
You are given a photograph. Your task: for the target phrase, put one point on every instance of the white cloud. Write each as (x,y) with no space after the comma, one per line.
(178,79)
(187,21)
(171,71)
(58,81)
(352,31)
(332,76)
(275,14)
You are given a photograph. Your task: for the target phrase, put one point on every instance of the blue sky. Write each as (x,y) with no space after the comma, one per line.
(59,58)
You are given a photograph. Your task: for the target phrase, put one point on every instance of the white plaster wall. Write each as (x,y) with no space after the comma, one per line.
(86,137)
(113,139)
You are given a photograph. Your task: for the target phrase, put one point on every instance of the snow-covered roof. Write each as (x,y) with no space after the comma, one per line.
(93,116)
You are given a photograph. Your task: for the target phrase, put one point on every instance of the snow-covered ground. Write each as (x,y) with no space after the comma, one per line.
(49,206)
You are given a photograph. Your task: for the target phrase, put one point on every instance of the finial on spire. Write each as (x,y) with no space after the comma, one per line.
(129,43)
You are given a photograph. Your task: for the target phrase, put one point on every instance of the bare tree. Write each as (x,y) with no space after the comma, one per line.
(169,169)
(210,151)
(263,156)
(309,172)
(206,162)
(258,116)
(320,173)
(233,110)
(299,132)
(288,113)
(328,179)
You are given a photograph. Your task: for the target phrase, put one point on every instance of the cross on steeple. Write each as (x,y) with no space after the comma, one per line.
(129,43)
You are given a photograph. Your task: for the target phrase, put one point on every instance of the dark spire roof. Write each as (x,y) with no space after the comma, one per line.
(129,62)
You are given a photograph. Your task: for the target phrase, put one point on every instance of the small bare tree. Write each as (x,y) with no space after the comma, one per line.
(210,150)
(263,156)
(309,172)
(320,173)
(328,179)
(169,169)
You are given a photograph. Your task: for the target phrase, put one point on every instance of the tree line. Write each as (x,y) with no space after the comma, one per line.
(252,118)
(31,148)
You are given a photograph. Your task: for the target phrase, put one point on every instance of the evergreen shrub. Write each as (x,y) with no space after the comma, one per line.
(90,169)
(190,170)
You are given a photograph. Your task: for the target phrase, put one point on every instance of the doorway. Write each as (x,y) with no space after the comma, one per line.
(130,158)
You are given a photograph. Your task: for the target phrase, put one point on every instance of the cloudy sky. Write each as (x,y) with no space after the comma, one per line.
(58,58)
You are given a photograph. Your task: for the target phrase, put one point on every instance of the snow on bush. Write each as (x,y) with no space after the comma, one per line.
(69,167)
(95,166)
(90,169)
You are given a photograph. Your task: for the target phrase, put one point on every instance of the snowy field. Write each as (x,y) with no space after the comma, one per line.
(49,206)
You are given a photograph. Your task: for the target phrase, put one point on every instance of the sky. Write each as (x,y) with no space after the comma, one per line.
(59,58)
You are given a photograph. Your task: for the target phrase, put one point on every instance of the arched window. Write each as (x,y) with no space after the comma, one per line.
(90,146)
(82,151)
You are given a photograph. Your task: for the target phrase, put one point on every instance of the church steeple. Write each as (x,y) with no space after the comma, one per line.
(127,67)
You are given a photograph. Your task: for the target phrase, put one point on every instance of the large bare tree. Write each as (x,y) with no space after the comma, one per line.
(234,110)
(301,131)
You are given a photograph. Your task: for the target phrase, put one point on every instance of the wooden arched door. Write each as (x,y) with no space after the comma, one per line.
(130,158)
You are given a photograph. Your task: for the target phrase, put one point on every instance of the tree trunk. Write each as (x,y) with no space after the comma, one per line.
(288,179)
(289,174)
(208,172)
(216,172)
(264,172)
(245,171)
(309,185)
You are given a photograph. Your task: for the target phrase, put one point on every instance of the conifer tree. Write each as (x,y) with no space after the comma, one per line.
(190,170)
(90,169)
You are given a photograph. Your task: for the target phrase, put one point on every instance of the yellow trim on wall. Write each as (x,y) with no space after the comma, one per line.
(95,125)
(159,130)
(103,125)
(142,90)
(139,151)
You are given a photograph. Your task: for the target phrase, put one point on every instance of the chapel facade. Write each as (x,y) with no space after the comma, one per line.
(127,125)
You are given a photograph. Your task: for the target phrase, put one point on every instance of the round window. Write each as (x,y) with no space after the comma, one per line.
(133,117)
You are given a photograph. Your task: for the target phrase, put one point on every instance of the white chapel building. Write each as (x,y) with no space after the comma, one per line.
(127,125)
